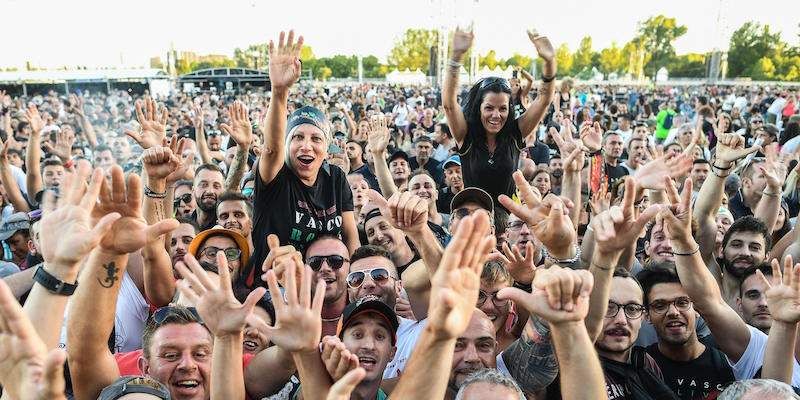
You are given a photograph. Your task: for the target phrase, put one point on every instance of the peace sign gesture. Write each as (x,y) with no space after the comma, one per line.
(570,148)
(284,61)
(618,227)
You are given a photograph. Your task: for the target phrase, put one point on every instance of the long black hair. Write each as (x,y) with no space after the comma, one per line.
(472,105)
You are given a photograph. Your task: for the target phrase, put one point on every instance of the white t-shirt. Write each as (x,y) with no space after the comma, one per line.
(407,335)
(753,358)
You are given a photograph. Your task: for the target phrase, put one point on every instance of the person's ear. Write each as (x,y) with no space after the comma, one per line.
(31,247)
(144,366)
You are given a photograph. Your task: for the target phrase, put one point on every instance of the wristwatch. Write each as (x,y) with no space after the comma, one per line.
(53,284)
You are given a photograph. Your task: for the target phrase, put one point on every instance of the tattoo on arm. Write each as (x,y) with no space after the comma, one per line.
(531,359)
(237,171)
(111,275)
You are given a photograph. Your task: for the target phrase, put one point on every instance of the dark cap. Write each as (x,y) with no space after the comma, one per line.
(472,195)
(16,222)
(369,304)
(308,115)
(398,153)
(134,384)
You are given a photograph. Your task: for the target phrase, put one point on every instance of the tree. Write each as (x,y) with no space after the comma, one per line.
(412,49)
(748,45)
(518,60)
(612,59)
(244,57)
(657,35)
(583,56)
(490,61)
(564,60)
(763,70)
(688,66)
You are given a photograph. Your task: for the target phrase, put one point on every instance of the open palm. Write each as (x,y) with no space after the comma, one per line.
(284,61)
(783,296)
(240,129)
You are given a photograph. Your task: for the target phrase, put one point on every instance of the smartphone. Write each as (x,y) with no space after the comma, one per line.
(514,74)
(334,149)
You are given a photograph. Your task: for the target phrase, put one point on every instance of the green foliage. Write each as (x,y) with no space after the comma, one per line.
(518,60)
(564,59)
(763,70)
(412,49)
(687,66)
(748,45)
(583,56)
(490,60)
(657,35)
(612,59)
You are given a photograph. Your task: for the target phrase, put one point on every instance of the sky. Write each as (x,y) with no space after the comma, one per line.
(111,33)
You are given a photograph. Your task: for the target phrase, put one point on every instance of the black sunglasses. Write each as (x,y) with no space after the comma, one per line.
(334,261)
(378,275)
(494,80)
(162,313)
(185,198)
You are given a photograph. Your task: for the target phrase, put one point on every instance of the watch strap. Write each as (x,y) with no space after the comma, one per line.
(53,284)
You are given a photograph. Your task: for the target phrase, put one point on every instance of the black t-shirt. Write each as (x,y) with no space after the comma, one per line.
(432,166)
(296,212)
(539,153)
(702,378)
(443,202)
(491,171)
(613,173)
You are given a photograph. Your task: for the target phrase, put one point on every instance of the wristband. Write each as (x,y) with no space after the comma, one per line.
(67,164)
(554,260)
(718,167)
(154,195)
(453,64)
(718,175)
(521,286)
(548,79)
(765,193)
(696,249)
(53,284)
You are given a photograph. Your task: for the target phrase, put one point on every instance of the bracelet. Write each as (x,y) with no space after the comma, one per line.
(717,167)
(67,164)
(696,249)
(453,64)
(154,195)
(554,260)
(609,268)
(548,79)
(765,193)
(720,176)
(527,288)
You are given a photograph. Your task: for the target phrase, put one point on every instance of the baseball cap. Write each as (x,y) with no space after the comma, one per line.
(651,122)
(472,195)
(16,222)
(8,268)
(454,159)
(398,153)
(368,304)
(125,385)
(194,246)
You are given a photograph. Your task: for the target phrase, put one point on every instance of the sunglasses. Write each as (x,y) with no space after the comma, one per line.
(162,313)
(378,275)
(465,212)
(230,253)
(334,261)
(247,192)
(493,80)
(186,198)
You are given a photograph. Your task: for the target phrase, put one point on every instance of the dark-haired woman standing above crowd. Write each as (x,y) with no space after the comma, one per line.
(489,138)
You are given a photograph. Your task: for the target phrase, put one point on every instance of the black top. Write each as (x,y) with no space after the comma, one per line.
(539,153)
(432,166)
(702,378)
(491,171)
(296,212)
(443,202)
(614,172)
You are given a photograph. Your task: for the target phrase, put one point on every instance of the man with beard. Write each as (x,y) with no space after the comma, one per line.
(424,148)
(612,151)
(209,182)
(235,212)
(454,182)
(745,245)
(208,243)
(752,301)
(556,169)
(329,260)
(181,238)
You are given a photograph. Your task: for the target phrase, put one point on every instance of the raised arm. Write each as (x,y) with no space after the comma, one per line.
(783,298)
(774,171)
(92,367)
(526,88)
(454,294)
(697,279)
(573,151)
(153,129)
(462,41)
(378,141)
(284,70)
(225,317)
(9,183)
(80,115)
(34,152)
(201,143)
(533,115)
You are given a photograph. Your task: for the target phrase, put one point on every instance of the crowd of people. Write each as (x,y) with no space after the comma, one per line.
(502,239)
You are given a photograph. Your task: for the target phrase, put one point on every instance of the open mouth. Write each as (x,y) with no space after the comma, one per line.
(209,199)
(305,161)
(675,325)
(618,333)
(367,362)
(666,254)
(250,345)
(187,387)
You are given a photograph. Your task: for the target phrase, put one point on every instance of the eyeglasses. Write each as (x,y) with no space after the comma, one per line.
(756,121)
(231,253)
(482,296)
(247,192)
(378,275)
(464,212)
(334,261)
(632,310)
(186,198)
(162,313)
(661,306)
(494,80)
(516,225)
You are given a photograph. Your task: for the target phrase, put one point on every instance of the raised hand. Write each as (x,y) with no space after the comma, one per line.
(63,145)
(618,227)
(240,130)
(158,162)
(378,134)
(337,359)
(651,175)
(197,118)
(547,218)
(678,215)
(284,61)
(543,46)
(405,210)
(559,295)
(77,105)
(775,167)
(153,128)
(730,147)
(67,233)
(184,160)
(600,201)
(27,370)
(570,148)
(342,388)
(215,302)
(462,41)
(783,297)
(455,285)
(34,119)
(521,268)
(130,232)
(297,320)
(279,258)
(592,136)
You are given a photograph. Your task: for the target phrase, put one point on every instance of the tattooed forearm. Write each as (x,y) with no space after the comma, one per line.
(531,359)
(236,172)
(111,275)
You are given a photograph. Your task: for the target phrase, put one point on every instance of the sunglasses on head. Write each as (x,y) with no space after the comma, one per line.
(247,192)
(162,313)
(334,261)
(493,80)
(378,275)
